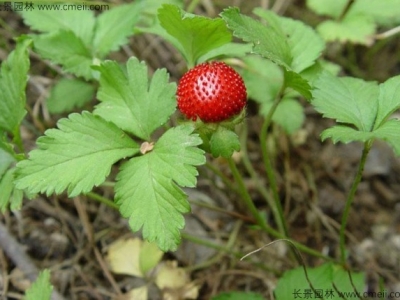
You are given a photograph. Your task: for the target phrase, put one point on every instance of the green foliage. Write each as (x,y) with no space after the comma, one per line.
(132,101)
(69,93)
(224,142)
(76,157)
(147,189)
(13,79)
(238,296)
(359,23)
(328,279)
(196,35)
(76,39)
(41,288)
(363,108)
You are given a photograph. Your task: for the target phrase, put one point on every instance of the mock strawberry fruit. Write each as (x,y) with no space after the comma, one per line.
(212,92)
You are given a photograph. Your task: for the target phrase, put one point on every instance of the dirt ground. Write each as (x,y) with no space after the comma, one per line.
(71,237)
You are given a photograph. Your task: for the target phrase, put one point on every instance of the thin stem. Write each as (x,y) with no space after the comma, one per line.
(103,200)
(350,198)
(17,140)
(268,165)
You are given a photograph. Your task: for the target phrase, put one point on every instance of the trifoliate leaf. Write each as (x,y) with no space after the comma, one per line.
(69,93)
(327,279)
(389,99)
(13,79)
(268,41)
(41,288)
(305,44)
(132,101)
(298,83)
(76,157)
(147,188)
(332,8)
(67,49)
(348,100)
(114,26)
(80,22)
(353,28)
(197,34)
(224,142)
(289,114)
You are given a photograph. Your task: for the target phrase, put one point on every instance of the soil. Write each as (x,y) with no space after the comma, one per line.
(71,237)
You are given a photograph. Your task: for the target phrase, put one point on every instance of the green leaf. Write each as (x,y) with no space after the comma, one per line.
(80,22)
(289,114)
(76,157)
(132,101)
(332,8)
(224,142)
(114,26)
(238,296)
(353,28)
(298,83)
(67,49)
(385,13)
(263,78)
(41,288)
(13,79)
(389,99)
(69,93)
(305,44)
(348,100)
(268,41)
(389,132)
(147,188)
(345,134)
(197,34)
(325,280)
(227,50)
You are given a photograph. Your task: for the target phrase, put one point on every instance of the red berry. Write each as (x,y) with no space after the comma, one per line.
(211,91)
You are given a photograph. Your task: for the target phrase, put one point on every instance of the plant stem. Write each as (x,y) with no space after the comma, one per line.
(102,199)
(268,165)
(350,198)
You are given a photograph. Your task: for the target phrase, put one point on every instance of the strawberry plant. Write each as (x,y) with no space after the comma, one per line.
(152,134)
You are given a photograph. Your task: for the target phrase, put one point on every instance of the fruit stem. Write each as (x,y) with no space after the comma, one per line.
(350,198)
(268,165)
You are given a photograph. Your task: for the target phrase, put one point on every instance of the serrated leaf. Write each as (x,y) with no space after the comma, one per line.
(224,142)
(197,34)
(305,44)
(147,188)
(353,28)
(114,26)
(13,79)
(293,283)
(332,8)
(348,100)
(227,50)
(345,134)
(41,288)
(67,49)
(76,157)
(80,22)
(289,114)
(298,83)
(389,99)
(132,101)
(69,93)
(389,132)
(268,41)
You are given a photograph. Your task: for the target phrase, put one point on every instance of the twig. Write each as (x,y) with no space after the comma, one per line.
(16,253)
